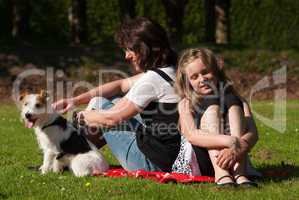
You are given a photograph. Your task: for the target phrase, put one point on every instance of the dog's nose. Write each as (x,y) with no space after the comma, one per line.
(28,115)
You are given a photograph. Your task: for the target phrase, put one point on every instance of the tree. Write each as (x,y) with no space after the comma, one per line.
(146,4)
(77,21)
(222,32)
(175,10)
(127,8)
(210,21)
(20,12)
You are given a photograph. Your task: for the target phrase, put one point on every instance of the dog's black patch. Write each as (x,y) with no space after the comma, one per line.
(59,121)
(75,144)
(60,155)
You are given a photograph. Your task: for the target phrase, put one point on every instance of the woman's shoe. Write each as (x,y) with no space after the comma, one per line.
(245,184)
(229,184)
(93,134)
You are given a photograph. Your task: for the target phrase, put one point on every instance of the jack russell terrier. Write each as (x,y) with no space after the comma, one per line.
(60,142)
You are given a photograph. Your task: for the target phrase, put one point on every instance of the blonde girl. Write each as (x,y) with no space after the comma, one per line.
(214,117)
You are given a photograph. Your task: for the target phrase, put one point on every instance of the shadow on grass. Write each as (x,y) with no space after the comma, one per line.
(278,172)
(3,196)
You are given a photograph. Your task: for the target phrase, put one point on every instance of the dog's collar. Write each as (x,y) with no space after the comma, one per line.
(59,121)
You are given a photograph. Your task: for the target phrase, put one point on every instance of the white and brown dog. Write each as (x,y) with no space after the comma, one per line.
(61,144)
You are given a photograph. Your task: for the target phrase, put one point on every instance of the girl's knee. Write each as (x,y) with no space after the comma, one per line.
(210,119)
(212,109)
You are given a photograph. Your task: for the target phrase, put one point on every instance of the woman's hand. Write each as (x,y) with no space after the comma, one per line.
(64,105)
(88,118)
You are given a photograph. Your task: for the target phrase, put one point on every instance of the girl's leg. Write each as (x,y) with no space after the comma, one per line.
(210,122)
(221,176)
(236,123)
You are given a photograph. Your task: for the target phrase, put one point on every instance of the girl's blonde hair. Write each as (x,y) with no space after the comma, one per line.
(209,59)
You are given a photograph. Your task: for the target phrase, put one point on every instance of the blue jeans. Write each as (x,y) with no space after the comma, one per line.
(122,143)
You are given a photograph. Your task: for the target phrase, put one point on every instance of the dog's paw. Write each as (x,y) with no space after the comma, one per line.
(57,169)
(44,169)
(82,173)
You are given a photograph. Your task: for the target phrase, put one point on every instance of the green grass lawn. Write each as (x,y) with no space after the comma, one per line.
(276,153)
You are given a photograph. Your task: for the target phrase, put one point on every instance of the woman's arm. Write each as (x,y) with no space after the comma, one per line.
(106,90)
(123,110)
(208,136)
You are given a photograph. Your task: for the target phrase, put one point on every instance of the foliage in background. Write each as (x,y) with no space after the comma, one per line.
(267,23)
(194,23)
(49,20)
(102,19)
(254,23)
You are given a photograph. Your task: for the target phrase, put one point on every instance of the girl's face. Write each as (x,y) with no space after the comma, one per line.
(200,77)
(132,57)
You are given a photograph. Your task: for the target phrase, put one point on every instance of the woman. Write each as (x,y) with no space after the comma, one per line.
(213,116)
(154,144)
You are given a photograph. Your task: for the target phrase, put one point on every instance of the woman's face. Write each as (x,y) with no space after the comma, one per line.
(133,57)
(200,77)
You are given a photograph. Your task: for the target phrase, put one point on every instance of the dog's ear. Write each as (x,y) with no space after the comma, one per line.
(22,95)
(44,95)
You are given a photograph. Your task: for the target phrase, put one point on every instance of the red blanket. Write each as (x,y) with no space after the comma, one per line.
(161,177)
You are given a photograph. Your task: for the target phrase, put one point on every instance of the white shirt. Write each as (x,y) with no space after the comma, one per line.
(152,87)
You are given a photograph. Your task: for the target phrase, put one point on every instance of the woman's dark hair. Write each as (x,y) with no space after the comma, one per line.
(149,40)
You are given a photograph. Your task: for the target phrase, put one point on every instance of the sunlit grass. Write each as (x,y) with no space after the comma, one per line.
(19,150)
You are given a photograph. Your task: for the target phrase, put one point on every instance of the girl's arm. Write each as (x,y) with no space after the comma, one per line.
(247,140)
(227,157)
(209,136)
(242,125)
(251,133)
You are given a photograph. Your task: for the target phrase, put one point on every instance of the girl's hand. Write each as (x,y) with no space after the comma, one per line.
(228,157)
(64,105)
(244,148)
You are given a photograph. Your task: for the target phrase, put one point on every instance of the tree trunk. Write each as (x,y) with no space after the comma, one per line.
(77,21)
(146,6)
(175,10)
(222,21)
(20,17)
(127,9)
(209,7)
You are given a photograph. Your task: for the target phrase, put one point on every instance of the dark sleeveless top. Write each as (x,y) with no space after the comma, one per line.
(225,102)
(159,139)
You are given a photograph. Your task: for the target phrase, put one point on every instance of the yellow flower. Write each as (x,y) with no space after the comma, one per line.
(87,184)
